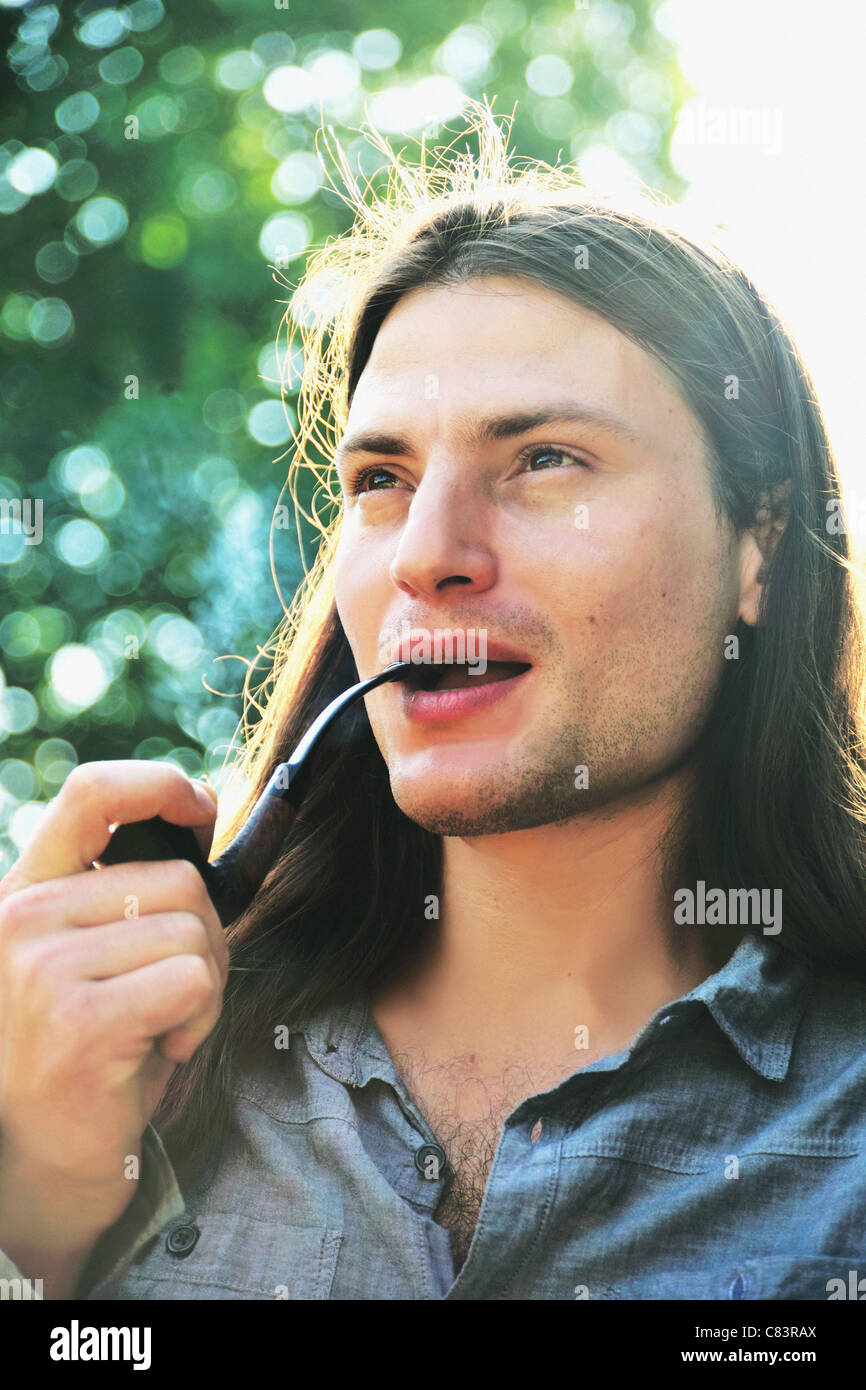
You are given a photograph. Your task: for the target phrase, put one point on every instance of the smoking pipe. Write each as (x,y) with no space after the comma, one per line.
(233,880)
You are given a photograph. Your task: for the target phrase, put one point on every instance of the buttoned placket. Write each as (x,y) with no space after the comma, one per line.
(550,1115)
(354,1054)
(351,1050)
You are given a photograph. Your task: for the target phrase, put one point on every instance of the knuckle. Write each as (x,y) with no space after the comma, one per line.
(71,1016)
(196,981)
(46,956)
(20,908)
(34,975)
(189,931)
(13,914)
(86,782)
(188,881)
(173,778)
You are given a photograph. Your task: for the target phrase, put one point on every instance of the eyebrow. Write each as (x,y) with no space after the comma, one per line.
(495,427)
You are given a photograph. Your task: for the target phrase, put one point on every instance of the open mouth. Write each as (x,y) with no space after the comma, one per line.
(458,675)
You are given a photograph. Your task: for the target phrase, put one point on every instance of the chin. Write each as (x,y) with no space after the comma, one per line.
(493,806)
(446,815)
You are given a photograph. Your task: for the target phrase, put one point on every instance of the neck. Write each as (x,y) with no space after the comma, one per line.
(545,930)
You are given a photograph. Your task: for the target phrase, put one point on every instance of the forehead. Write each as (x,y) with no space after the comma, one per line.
(502,341)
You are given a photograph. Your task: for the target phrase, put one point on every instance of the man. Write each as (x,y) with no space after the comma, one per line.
(548,889)
(480,1045)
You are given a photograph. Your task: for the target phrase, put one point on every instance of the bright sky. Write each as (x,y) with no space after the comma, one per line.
(774,145)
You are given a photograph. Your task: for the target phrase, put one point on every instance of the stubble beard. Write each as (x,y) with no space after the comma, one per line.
(542,786)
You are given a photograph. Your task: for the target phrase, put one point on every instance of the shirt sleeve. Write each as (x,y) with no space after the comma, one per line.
(157,1202)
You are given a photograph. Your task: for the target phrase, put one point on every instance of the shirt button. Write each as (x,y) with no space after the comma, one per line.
(430,1161)
(535,1132)
(181,1240)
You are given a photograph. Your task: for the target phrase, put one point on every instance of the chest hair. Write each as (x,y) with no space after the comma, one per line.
(465,1111)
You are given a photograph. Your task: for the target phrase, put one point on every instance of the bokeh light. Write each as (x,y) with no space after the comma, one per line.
(32,171)
(76,180)
(466,53)
(50,322)
(289,88)
(79,677)
(164,240)
(55,262)
(102,220)
(376,50)
(285,236)
(18,711)
(78,112)
(55,758)
(297,178)
(19,635)
(278,367)
(83,469)
(81,544)
(267,423)
(239,70)
(121,67)
(181,66)
(103,28)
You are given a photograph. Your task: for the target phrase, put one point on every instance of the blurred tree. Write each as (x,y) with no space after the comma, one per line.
(151,163)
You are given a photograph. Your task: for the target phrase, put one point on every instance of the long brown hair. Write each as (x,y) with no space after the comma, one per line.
(780,784)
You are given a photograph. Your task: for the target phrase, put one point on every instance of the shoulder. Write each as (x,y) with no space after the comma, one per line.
(830,1041)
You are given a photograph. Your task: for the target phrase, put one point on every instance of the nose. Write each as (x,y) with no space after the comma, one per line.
(442,543)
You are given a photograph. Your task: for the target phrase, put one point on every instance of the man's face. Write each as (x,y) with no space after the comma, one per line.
(592,551)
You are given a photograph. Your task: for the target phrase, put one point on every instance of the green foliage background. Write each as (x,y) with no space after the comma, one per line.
(145,258)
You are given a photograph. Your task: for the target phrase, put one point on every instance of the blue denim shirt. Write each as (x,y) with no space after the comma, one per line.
(721,1156)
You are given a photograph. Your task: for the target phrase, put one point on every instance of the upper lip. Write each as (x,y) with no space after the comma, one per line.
(494,650)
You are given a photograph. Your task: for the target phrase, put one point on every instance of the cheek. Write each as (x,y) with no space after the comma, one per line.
(645,579)
(358,581)
(346,588)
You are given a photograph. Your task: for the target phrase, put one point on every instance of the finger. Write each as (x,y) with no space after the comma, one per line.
(76,826)
(205,833)
(119,947)
(128,891)
(174,994)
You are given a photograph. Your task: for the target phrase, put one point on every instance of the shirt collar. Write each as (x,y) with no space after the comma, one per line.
(347,1045)
(757,999)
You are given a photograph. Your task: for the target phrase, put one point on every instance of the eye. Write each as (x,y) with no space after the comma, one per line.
(542,451)
(356,484)
(382,479)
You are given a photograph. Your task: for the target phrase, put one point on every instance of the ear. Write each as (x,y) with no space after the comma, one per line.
(757,544)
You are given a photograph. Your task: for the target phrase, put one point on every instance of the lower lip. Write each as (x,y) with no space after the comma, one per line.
(435,706)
